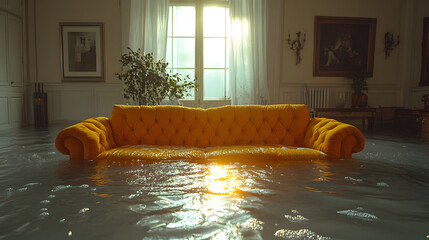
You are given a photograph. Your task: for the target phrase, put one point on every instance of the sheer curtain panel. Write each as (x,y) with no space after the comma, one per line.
(248,62)
(149,26)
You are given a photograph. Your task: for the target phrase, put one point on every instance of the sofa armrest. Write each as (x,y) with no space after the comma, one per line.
(336,139)
(86,140)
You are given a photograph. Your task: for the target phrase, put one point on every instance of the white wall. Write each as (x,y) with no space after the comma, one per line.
(395,80)
(48,16)
(78,100)
(384,86)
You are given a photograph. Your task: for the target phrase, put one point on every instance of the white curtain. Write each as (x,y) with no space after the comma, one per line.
(248,63)
(149,26)
(275,10)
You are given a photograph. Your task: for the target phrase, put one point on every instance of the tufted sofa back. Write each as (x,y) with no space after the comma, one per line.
(222,126)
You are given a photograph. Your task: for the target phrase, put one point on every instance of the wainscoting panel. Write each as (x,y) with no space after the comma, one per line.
(76,105)
(384,99)
(12,110)
(80,101)
(54,105)
(291,98)
(16,111)
(3,4)
(3,49)
(291,94)
(15,6)
(15,52)
(340,94)
(105,101)
(340,97)
(4,109)
(416,96)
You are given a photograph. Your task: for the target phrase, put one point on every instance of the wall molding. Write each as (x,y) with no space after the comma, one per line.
(416,96)
(13,110)
(385,95)
(79,101)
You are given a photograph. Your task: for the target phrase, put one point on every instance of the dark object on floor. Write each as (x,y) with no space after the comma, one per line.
(40,106)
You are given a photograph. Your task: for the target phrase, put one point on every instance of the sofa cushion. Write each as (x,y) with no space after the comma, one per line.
(152,152)
(223,126)
(257,153)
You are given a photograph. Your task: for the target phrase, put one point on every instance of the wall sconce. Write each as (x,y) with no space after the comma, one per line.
(297,46)
(389,43)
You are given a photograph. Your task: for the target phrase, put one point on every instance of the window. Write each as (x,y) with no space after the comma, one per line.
(198,45)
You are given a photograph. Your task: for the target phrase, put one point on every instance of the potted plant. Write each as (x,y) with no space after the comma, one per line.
(425,100)
(148,82)
(359,84)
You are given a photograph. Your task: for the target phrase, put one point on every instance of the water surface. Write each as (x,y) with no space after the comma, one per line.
(379,194)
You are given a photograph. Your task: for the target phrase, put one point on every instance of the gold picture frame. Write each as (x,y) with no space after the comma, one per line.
(343,45)
(82,52)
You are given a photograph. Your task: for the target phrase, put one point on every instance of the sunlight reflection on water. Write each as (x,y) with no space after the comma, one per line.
(221,180)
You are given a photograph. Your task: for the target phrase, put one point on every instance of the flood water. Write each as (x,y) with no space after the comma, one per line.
(382,193)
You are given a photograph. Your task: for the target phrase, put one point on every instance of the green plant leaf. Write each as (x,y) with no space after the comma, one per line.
(148,82)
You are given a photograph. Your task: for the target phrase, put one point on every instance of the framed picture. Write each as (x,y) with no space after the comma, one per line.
(82,52)
(343,45)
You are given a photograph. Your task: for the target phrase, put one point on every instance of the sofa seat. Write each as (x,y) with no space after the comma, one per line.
(228,153)
(283,131)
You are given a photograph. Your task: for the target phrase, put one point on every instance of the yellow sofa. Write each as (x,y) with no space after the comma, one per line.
(250,132)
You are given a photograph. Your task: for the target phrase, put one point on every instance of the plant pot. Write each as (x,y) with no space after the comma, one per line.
(359,100)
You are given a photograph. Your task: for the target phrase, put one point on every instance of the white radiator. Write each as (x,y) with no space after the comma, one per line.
(316,98)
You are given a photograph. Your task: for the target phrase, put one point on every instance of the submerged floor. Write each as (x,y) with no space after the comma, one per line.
(379,194)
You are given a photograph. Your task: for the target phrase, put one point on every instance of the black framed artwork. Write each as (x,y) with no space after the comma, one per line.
(82,52)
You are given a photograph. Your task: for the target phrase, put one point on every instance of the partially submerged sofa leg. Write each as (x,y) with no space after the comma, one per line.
(75,147)
(347,146)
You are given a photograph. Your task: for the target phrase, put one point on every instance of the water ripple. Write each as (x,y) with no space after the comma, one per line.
(358,215)
(253,224)
(301,234)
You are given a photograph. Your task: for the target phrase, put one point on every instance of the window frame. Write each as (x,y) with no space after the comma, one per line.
(199,100)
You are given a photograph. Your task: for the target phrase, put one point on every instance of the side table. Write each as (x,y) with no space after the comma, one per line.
(364,114)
